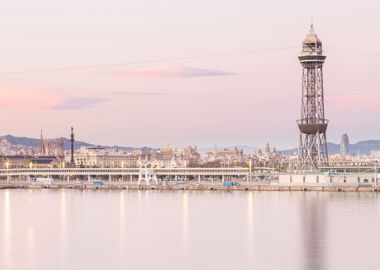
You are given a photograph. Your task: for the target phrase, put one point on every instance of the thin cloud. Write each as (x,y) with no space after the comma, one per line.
(135,93)
(79,103)
(29,98)
(34,98)
(172,71)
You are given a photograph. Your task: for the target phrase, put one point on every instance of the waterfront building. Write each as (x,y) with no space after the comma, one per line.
(223,157)
(271,159)
(171,157)
(97,156)
(28,161)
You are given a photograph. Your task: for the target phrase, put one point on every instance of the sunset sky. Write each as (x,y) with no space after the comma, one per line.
(193,72)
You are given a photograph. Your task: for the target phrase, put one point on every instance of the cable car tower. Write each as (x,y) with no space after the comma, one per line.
(312,151)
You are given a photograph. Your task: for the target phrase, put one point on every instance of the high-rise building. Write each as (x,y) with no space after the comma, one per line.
(312,150)
(344,145)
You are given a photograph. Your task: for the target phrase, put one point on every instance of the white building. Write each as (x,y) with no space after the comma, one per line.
(96,156)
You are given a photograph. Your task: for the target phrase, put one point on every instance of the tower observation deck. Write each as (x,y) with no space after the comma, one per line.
(312,150)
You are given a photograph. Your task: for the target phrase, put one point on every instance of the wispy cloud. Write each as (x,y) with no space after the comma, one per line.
(172,71)
(136,93)
(78,103)
(34,98)
(29,98)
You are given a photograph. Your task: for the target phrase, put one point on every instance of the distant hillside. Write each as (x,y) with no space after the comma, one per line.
(36,142)
(32,142)
(363,147)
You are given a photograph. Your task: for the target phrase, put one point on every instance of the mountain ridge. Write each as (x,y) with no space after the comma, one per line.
(33,142)
(363,147)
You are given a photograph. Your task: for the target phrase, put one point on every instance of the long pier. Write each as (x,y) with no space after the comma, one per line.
(188,178)
(141,174)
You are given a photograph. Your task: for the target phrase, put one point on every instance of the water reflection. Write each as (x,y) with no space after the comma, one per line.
(7,230)
(122,216)
(122,228)
(185,220)
(314,232)
(250,215)
(63,222)
(250,239)
(98,230)
(63,213)
(31,248)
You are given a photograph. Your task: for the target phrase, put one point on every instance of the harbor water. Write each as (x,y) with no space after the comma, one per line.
(145,229)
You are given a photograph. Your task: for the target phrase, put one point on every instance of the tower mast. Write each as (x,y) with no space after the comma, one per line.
(312,150)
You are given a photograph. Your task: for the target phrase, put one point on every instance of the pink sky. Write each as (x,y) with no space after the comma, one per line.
(186,72)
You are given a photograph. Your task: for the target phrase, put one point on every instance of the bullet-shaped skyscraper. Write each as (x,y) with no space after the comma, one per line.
(312,150)
(344,145)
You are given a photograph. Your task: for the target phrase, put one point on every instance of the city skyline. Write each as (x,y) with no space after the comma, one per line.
(212,76)
(162,134)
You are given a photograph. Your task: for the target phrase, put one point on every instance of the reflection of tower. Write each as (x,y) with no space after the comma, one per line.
(312,150)
(314,230)
(344,145)
(72,163)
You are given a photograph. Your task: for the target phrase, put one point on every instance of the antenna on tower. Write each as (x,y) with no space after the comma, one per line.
(311,25)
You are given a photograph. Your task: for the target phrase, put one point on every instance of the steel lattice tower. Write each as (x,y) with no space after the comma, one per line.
(312,150)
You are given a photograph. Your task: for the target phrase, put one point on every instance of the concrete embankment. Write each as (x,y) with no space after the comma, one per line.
(247,187)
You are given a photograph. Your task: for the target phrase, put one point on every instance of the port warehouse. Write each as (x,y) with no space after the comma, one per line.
(354,175)
(132,172)
(323,178)
(327,175)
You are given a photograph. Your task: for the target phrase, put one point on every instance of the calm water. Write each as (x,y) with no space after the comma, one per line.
(68,229)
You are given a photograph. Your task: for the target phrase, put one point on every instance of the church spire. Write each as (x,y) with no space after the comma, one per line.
(42,144)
